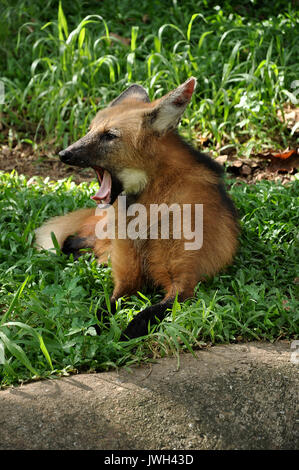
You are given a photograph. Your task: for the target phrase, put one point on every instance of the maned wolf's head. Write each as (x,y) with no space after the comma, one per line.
(118,143)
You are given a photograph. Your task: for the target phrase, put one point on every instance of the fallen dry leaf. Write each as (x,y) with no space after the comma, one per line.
(204,141)
(284,155)
(286,306)
(221,159)
(286,162)
(237,163)
(246,170)
(125,41)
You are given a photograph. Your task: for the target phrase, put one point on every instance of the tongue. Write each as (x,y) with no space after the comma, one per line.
(103,194)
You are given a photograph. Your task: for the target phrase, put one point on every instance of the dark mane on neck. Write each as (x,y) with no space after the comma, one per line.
(208,162)
(202,158)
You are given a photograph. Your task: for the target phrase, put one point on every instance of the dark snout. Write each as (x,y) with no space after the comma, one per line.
(65,155)
(77,154)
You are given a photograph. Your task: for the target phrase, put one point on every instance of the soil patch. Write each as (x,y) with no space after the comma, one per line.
(24,160)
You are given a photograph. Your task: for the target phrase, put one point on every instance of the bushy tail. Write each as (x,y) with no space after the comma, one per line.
(62,227)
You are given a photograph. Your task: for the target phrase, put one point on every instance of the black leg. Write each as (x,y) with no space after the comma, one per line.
(139,325)
(73,245)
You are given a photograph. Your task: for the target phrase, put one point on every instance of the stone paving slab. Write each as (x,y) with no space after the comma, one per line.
(242,396)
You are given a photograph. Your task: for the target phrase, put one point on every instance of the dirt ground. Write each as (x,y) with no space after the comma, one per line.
(24,160)
(241,396)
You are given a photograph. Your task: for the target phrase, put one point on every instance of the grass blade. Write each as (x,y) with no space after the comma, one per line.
(14,301)
(17,352)
(36,335)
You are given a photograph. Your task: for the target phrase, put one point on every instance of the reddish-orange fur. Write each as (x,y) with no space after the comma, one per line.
(139,261)
(173,176)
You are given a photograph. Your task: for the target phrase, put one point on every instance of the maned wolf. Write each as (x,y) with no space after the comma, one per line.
(137,154)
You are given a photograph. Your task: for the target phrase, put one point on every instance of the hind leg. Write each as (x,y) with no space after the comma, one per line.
(180,281)
(139,326)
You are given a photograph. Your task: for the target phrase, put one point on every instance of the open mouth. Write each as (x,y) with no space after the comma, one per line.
(103,195)
(110,187)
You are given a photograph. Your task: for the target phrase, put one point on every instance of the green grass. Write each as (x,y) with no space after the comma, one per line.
(49,301)
(60,65)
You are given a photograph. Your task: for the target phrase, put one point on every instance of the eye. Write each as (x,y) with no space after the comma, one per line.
(108,136)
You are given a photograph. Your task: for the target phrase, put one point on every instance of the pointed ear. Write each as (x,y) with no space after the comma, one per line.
(136,92)
(167,113)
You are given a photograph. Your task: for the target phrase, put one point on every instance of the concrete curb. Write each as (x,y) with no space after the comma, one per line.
(242,396)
